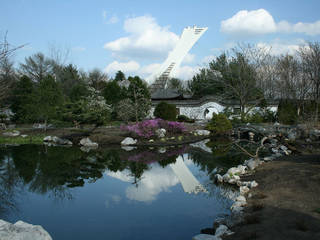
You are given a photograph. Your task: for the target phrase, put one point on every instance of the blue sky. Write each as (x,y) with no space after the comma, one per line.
(136,36)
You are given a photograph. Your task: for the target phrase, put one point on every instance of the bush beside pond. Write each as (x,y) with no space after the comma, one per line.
(219,124)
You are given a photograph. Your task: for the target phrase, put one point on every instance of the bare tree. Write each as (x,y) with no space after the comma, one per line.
(97,79)
(6,49)
(36,67)
(7,72)
(310,60)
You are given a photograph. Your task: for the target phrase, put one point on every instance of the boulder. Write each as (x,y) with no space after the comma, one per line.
(13,133)
(236,209)
(222,230)
(205,237)
(162,150)
(252,163)
(219,178)
(129,141)
(253,184)
(234,179)
(88,143)
(22,231)
(47,139)
(161,132)
(61,141)
(244,190)
(241,199)
(237,170)
(226,177)
(202,132)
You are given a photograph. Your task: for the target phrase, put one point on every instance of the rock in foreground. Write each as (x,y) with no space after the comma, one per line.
(22,231)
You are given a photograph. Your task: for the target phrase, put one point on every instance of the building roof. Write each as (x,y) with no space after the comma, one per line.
(166,94)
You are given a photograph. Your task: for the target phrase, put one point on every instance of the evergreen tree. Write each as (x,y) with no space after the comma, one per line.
(22,100)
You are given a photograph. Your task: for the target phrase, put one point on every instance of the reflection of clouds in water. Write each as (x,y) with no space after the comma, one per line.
(153,182)
(123,175)
(114,199)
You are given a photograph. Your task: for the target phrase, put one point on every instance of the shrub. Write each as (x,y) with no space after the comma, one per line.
(219,124)
(165,111)
(147,128)
(184,118)
(256,117)
(287,112)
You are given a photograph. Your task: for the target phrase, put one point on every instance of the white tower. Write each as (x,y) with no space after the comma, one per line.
(189,37)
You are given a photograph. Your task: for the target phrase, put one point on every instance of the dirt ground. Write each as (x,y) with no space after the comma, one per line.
(286,204)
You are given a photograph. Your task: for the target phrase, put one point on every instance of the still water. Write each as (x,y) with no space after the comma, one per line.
(111,193)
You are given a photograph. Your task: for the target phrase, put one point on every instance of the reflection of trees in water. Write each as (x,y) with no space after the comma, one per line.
(56,170)
(9,185)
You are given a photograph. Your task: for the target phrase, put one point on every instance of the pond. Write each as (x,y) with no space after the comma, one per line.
(114,194)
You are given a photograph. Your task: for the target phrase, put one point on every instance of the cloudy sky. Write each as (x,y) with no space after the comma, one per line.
(136,36)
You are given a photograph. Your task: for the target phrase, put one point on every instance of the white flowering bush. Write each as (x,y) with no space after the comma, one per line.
(95,109)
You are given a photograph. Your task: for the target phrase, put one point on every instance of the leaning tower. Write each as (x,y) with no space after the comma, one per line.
(189,37)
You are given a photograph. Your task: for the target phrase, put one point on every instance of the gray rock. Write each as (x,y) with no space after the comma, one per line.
(244,190)
(241,199)
(219,178)
(13,133)
(161,132)
(252,164)
(162,150)
(86,142)
(22,231)
(253,184)
(283,148)
(47,139)
(202,132)
(205,237)
(267,159)
(226,177)
(292,134)
(129,141)
(222,230)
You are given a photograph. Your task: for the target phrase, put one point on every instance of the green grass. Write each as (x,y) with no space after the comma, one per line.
(20,140)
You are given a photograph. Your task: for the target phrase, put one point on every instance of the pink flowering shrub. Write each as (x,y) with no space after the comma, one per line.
(147,128)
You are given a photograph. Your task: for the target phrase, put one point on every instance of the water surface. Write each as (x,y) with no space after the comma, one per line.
(112,193)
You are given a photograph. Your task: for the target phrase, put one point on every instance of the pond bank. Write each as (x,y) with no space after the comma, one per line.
(109,135)
(286,203)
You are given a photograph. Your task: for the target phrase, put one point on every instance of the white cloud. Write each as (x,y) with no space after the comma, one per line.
(126,67)
(249,23)
(282,47)
(257,22)
(153,182)
(311,29)
(145,40)
(149,69)
(185,72)
(208,59)
(189,58)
